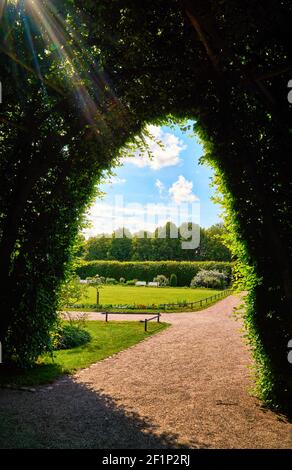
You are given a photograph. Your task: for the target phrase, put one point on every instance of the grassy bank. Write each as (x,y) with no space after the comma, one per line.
(107,339)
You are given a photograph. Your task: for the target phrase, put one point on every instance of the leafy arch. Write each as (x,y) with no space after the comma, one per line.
(97,74)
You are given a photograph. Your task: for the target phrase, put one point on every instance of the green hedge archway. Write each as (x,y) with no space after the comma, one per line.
(84,82)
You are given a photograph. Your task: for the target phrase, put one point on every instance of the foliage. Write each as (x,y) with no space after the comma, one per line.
(70,336)
(97,248)
(111,280)
(74,105)
(71,292)
(96,281)
(121,248)
(146,271)
(173,280)
(150,247)
(162,280)
(211,279)
(212,246)
(131,282)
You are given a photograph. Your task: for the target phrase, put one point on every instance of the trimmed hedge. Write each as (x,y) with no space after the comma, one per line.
(147,270)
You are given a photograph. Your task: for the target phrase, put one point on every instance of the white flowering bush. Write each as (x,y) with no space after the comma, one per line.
(162,280)
(212,279)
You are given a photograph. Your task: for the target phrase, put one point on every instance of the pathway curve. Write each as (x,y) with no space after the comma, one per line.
(186,386)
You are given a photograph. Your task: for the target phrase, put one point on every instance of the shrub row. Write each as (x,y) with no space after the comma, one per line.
(147,270)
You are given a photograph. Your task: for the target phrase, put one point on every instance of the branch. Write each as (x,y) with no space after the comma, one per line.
(202,32)
(30,70)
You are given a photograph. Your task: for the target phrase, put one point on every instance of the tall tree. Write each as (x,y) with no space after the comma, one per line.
(142,247)
(121,246)
(97,248)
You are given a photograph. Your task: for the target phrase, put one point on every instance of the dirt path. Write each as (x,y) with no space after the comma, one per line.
(186,386)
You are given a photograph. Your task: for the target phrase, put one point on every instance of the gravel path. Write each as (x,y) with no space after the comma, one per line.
(184,387)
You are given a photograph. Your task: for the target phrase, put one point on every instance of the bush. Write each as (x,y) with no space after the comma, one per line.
(212,279)
(111,280)
(173,280)
(162,280)
(147,270)
(70,336)
(132,282)
(95,281)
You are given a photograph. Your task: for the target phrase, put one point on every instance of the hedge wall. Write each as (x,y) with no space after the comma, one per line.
(147,270)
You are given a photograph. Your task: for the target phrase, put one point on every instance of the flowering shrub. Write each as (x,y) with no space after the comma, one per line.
(212,279)
(162,280)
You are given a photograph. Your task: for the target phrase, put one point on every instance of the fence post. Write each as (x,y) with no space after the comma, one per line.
(106,317)
(158,318)
(145,325)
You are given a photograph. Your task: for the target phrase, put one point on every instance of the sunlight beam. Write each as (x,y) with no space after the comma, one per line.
(77,67)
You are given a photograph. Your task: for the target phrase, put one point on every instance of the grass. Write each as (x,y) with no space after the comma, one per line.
(123,295)
(107,339)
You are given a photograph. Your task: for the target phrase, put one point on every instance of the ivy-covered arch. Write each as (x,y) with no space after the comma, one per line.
(80,80)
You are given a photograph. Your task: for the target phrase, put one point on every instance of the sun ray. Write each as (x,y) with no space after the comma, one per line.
(77,69)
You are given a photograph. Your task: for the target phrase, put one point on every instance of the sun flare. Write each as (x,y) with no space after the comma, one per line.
(75,67)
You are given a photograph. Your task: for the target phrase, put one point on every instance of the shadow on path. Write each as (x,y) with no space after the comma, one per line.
(70,415)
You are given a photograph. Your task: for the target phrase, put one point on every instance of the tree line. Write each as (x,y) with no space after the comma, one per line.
(146,246)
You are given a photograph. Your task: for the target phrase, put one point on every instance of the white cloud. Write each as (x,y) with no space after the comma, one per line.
(105,217)
(164,148)
(160,186)
(182,191)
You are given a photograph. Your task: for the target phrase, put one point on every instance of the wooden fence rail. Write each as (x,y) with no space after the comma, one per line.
(145,321)
(221,294)
(157,316)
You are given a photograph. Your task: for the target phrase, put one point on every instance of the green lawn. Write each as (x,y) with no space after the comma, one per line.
(107,339)
(122,295)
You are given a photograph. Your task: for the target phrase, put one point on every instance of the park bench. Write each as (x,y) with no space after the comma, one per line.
(145,321)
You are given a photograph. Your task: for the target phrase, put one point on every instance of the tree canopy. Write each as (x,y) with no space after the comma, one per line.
(147,246)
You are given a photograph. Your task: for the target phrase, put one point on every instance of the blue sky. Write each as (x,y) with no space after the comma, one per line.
(171,181)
